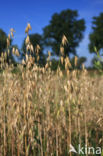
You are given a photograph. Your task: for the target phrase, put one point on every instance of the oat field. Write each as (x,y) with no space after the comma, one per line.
(43,112)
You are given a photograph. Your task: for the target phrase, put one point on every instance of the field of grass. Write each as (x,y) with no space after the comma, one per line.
(43,112)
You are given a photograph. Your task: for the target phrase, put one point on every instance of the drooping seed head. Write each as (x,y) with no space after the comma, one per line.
(29,26)
(62,50)
(62,59)
(9,36)
(12,32)
(17,52)
(27,41)
(31,48)
(8,42)
(26,30)
(64,40)
(37,49)
(13,50)
(75,60)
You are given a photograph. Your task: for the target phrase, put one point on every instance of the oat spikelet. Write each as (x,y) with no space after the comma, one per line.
(17,52)
(68,72)
(12,32)
(62,60)
(29,26)
(62,50)
(37,49)
(66,66)
(5,55)
(9,36)
(38,58)
(26,57)
(27,41)
(75,60)
(31,48)
(64,40)
(28,47)
(60,74)
(23,62)
(8,51)
(8,42)
(68,62)
(49,53)
(13,50)
(26,30)
(46,66)
(83,67)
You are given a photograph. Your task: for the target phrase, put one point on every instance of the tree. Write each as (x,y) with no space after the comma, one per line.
(3,42)
(65,23)
(3,47)
(96,37)
(35,39)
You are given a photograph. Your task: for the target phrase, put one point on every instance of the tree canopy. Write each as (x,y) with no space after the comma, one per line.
(65,23)
(3,42)
(96,37)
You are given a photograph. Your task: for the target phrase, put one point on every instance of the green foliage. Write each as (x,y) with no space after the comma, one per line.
(55,64)
(96,37)
(65,23)
(102,153)
(98,61)
(3,38)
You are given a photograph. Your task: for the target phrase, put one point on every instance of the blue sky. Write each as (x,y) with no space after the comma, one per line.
(16,14)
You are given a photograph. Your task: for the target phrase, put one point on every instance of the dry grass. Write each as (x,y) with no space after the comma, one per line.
(42,112)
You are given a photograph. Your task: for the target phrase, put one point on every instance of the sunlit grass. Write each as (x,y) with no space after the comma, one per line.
(42,112)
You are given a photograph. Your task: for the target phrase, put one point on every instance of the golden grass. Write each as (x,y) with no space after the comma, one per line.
(42,112)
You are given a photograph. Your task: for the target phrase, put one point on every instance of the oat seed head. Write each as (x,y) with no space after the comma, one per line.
(64,40)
